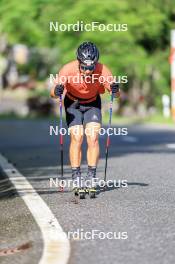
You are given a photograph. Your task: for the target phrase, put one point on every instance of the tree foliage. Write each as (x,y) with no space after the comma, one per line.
(141,52)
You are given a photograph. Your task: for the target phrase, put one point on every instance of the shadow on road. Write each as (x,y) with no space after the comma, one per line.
(36,154)
(114,186)
(7,190)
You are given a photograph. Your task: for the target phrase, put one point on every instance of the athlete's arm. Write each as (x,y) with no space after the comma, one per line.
(61,81)
(110,84)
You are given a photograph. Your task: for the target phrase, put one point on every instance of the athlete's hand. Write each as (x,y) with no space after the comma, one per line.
(58,91)
(115,89)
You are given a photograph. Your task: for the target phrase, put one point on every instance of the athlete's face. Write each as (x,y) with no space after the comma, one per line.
(87,70)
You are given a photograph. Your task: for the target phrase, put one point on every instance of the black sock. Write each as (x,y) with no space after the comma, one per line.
(92,169)
(75,170)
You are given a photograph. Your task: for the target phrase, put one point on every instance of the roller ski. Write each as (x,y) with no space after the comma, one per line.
(78,185)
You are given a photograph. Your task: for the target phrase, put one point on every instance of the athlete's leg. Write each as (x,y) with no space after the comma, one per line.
(74,119)
(92,135)
(92,121)
(76,136)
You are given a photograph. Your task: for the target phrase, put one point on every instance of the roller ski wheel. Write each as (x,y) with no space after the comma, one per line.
(92,193)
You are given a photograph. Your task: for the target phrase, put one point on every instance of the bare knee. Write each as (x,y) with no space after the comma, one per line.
(77,139)
(77,135)
(92,141)
(92,132)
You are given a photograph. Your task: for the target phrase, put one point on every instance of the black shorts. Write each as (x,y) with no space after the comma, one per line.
(81,114)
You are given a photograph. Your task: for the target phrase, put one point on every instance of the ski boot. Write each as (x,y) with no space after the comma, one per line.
(78,185)
(90,183)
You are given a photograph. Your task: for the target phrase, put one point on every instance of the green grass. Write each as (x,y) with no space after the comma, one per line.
(159,119)
(39,92)
(154,119)
(119,119)
(13,116)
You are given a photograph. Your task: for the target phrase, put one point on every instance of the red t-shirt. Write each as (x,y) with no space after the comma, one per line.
(88,86)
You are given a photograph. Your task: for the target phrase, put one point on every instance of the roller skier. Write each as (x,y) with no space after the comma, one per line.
(81,82)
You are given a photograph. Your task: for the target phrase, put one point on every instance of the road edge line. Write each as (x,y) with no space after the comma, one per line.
(56,248)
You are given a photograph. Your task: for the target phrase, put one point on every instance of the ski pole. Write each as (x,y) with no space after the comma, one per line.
(61,138)
(108,139)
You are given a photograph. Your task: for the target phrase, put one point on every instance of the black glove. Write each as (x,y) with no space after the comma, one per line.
(59,90)
(115,88)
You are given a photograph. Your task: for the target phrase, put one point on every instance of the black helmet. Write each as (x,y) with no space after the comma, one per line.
(87,53)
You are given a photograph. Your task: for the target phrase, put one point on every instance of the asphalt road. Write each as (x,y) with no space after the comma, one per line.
(144,210)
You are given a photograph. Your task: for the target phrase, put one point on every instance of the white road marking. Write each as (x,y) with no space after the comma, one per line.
(129,139)
(56,244)
(171,146)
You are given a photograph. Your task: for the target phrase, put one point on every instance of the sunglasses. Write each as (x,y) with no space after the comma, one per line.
(87,68)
